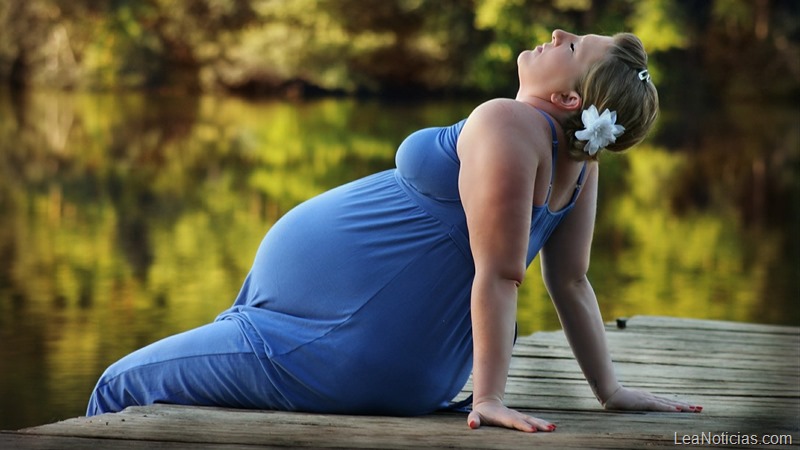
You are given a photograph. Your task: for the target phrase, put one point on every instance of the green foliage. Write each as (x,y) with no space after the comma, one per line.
(660,25)
(122,52)
(355,46)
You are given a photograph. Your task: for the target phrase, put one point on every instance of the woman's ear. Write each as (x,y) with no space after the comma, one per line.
(568,101)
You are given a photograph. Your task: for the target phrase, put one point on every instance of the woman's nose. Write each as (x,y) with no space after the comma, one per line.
(558,36)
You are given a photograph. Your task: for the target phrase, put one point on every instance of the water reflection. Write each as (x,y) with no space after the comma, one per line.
(126,218)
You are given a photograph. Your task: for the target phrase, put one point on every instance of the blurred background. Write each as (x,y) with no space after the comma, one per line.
(146,146)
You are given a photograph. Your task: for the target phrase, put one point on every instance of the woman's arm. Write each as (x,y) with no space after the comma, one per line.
(565,262)
(496,184)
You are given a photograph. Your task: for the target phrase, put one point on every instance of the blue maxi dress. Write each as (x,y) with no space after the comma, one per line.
(358,302)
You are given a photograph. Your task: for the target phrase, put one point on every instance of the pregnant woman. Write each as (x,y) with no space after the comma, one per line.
(381,296)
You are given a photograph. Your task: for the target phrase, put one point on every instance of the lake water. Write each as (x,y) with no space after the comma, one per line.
(127,218)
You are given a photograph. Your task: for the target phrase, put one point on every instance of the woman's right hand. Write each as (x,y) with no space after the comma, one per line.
(624,399)
(494,413)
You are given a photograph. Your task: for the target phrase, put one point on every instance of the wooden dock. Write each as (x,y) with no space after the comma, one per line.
(746,377)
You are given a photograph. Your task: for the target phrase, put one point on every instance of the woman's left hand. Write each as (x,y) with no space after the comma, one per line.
(499,415)
(625,399)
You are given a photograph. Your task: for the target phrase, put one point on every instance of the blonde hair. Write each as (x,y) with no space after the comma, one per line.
(614,83)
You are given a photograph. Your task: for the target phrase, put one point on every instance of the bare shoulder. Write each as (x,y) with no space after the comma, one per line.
(505,112)
(505,122)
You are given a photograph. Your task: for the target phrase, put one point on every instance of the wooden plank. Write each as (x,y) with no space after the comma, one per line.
(217,426)
(12,440)
(645,338)
(665,322)
(779,365)
(746,376)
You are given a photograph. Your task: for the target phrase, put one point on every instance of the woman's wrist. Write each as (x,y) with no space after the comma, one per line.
(488,399)
(604,401)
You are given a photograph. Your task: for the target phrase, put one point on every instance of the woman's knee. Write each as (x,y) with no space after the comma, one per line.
(202,366)
(107,396)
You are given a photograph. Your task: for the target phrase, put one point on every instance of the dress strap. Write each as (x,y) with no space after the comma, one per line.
(579,185)
(554,152)
(581,177)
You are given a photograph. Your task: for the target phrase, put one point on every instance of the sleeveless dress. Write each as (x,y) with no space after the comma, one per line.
(358,300)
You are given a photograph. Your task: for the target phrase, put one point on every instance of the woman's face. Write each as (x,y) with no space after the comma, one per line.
(556,66)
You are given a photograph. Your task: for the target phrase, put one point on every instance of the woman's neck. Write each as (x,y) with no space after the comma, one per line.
(545,105)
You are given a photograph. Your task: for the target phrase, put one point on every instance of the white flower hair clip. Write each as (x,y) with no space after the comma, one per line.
(600,129)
